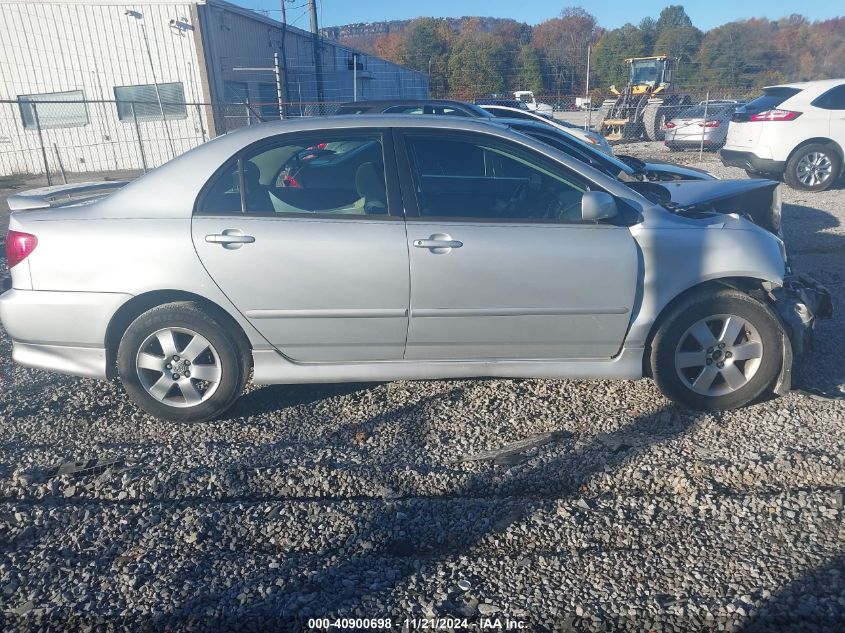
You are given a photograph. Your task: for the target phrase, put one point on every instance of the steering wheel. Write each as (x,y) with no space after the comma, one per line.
(295,163)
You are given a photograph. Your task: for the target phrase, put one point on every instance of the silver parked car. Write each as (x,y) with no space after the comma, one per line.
(396,247)
(690,128)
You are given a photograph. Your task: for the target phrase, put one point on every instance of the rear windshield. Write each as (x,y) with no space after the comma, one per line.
(771,98)
(697,112)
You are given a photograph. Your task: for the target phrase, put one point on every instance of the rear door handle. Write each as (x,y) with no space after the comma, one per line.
(230,238)
(439,243)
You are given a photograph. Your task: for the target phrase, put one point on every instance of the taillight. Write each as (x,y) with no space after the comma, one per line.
(670,125)
(592,139)
(709,124)
(775,115)
(19,246)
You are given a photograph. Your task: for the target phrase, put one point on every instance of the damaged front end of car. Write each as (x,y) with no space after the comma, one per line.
(799,302)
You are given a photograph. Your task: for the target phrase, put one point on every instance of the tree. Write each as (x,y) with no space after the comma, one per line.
(390,47)
(562,46)
(530,76)
(426,47)
(477,65)
(741,54)
(611,51)
(648,28)
(671,17)
(681,43)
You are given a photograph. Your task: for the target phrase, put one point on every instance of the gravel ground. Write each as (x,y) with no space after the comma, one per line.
(617,511)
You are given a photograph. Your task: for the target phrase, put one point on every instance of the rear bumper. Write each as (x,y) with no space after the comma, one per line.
(89,362)
(687,141)
(751,162)
(60,331)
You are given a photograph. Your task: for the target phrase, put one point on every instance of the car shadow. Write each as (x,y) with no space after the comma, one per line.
(397,534)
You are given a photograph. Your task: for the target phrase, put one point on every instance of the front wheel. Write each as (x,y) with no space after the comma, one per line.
(717,350)
(178,363)
(813,167)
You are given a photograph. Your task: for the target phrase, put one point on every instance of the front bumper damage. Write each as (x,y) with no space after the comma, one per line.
(799,302)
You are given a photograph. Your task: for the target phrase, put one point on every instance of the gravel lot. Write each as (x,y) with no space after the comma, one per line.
(623,512)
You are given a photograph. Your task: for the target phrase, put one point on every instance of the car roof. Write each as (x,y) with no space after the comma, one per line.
(818,83)
(172,189)
(394,102)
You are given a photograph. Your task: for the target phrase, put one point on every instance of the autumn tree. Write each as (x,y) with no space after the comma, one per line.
(478,65)
(426,48)
(562,45)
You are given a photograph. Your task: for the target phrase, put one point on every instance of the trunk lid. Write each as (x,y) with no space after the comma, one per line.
(62,195)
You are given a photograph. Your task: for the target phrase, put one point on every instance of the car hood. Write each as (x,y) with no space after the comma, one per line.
(756,199)
(681,171)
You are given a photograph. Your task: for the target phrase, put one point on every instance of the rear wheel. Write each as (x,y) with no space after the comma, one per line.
(813,167)
(717,350)
(178,363)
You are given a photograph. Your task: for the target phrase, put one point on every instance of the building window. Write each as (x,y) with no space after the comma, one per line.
(355,60)
(53,109)
(268,99)
(145,101)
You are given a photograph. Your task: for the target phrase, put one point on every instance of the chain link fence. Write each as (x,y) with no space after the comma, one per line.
(60,139)
(57,139)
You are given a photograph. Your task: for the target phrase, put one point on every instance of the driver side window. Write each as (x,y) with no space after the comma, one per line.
(466,179)
(319,175)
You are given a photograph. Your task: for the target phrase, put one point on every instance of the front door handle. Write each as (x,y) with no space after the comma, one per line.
(230,238)
(439,243)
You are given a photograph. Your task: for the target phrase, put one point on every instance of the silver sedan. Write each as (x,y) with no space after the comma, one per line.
(702,125)
(394,247)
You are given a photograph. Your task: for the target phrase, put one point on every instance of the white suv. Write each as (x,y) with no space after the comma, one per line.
(795,130)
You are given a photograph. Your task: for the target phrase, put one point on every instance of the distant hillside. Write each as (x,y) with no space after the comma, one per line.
(364,34)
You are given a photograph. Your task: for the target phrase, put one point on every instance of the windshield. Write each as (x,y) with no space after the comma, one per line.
(524,98)
(645,71)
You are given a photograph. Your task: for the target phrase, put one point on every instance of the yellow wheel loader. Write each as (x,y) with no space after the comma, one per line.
(643,106)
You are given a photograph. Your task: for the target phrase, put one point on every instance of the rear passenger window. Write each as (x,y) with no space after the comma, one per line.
(465,179)
(833,99)
(316,175)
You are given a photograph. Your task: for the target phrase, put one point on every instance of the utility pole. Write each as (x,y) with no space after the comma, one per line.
(587,92)
(355,77)
(315,38)
(283,105)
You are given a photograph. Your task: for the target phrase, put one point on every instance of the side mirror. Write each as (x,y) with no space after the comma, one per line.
(598,205)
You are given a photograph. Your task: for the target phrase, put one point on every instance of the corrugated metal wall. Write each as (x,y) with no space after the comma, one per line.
(49,47)
(93,46)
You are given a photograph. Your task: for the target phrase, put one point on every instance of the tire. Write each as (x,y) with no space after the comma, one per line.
(159,339)
(814,167)
(675,353)
(652,122)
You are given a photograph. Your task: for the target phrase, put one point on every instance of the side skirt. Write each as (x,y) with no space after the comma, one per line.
(272,368)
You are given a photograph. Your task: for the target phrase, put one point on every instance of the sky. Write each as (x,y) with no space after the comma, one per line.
(610,13)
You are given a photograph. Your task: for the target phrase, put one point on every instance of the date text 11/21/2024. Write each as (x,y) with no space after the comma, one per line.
(419,624)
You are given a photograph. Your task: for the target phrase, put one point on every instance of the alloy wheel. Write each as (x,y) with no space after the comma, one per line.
(814,169)
(178,367)
(718,355)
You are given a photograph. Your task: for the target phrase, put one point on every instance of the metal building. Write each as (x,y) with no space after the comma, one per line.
(94,85)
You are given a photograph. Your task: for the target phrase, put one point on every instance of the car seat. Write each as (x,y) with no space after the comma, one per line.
(369,182)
